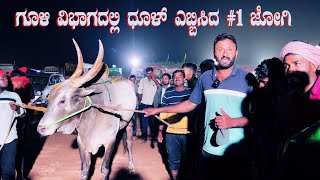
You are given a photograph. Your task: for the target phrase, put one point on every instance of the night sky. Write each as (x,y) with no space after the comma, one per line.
(52,45)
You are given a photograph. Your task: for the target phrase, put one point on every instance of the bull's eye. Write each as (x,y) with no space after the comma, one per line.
(62,101)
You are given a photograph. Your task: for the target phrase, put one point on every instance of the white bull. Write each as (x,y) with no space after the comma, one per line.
(95,127)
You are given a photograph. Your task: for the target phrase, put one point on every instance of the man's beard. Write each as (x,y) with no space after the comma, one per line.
(220,66)
(165,84)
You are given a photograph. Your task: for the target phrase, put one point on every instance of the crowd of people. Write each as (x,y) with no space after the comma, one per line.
(254,124)
(243,125)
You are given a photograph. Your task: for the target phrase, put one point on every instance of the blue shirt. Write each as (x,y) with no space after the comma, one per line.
(229,96)
(172,96)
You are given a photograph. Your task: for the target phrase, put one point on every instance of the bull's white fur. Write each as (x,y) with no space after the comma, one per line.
(95,128)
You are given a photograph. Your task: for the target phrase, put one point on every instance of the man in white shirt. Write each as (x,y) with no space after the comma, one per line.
(8,132)
(146,91)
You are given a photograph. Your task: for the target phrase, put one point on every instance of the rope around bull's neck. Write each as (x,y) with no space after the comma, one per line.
(72,114)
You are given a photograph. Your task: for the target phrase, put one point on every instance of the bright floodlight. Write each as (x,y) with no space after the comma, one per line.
(135,61)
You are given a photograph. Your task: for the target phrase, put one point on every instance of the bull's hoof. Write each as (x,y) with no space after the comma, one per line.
(131,168)
(84,175)
(105,172)
(105,177)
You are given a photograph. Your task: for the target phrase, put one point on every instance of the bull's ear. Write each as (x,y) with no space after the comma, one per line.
(87,92)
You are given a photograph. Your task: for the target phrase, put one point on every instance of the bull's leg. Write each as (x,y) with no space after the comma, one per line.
(129,131)
(85,161)
(105,167)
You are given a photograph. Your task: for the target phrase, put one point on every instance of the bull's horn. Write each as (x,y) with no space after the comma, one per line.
(78,71)
(94,69)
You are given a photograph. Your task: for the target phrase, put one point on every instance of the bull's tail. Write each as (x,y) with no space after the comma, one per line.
(124,141)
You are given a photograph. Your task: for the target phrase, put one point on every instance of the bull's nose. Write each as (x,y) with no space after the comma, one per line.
(41,129)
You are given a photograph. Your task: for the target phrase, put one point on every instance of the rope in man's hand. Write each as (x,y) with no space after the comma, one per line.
(116,108)
(36,108)
(119,108)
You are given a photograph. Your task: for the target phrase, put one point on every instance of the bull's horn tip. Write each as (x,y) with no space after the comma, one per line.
(100,44)
(74,42)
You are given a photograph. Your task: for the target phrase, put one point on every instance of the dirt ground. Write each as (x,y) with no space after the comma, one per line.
(59,159)
(56,157)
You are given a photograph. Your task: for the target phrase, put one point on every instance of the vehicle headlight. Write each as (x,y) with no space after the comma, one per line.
(38,93)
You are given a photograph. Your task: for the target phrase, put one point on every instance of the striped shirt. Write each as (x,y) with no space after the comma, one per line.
(171,97)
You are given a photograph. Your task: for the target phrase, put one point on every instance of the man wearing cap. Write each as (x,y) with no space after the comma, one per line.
(300,56)
(303,57)
(8,132)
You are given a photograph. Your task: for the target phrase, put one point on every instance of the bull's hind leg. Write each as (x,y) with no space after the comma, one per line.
(105,167)
(129,131)
(85,161)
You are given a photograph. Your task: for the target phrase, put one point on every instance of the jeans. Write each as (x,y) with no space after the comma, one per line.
(7,160)
(22,125)
(176,148)
(148,121)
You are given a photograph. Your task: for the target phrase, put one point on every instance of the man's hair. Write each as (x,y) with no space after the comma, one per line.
(166,74)
(149,69)
(262,70)
(132,76)
(271,68)
(190,66)
(179,70)
(17,73)
(206,65)
(222,37)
